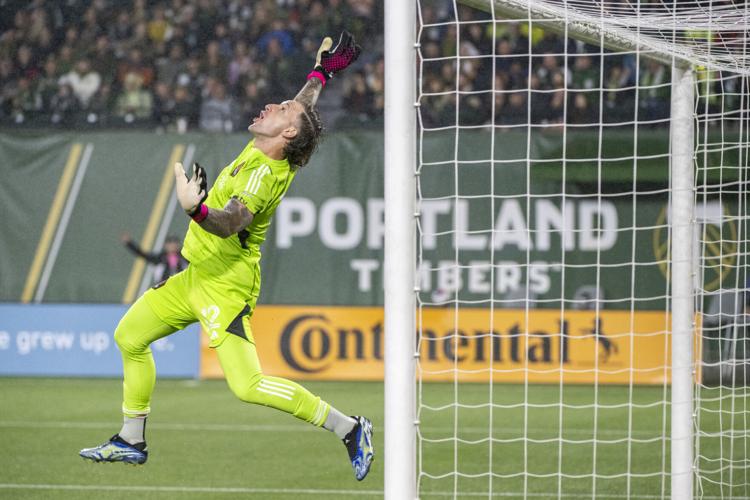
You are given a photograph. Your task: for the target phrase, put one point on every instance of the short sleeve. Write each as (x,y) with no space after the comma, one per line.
(256,191)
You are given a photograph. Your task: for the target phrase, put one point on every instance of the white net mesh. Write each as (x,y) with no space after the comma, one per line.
(543,252)
(711,33)
(723,288)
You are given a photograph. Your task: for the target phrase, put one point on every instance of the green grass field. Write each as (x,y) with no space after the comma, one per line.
(206,444)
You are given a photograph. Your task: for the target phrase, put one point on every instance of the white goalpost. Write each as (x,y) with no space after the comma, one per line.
(400,146)
(566,189)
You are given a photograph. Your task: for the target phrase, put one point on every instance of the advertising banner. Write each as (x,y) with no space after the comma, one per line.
(472,345)
(329,230)
(78,340)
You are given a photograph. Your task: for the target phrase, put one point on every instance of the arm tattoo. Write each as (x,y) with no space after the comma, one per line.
(308,96)
(232,219)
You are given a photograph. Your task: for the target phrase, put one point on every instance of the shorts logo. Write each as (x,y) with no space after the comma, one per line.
(210,314)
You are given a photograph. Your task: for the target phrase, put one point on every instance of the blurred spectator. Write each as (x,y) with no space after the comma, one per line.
(184,110)
(134,102)
(655,91)
(584,75)
(376,84)
(216,110)
(158,28)
(617,100)
(25,65)
(546,72)
(122,29)
(83,80)
(580,111)
(224,40)
(240,66)
(191,77)
(253,101)
(555,112)
(103,59)
(280,70)
(25,100)
(584,94)
(100,105)
(168,67)
(134,64)
(358,98)
(168,261)
(164,105)
(66,59)
(47,84)
(63,105)
(505,56)
(278,33)
(215,65)
(516,111)
(439,109)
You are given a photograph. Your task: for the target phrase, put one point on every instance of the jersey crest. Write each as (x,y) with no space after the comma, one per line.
(238,168)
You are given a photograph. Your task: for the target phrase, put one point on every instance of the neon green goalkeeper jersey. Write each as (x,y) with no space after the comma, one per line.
(260,183)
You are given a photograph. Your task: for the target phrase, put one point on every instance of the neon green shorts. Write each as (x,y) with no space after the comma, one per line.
(191,296)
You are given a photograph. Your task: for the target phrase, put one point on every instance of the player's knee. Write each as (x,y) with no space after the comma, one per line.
(126,341)
(246,388)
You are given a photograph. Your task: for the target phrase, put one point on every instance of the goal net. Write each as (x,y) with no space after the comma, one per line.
(582,259)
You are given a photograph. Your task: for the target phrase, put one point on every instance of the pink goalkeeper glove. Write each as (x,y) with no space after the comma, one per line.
(329,62)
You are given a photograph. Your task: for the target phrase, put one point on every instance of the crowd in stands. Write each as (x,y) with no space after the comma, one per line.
(175,64)
(539,77)
(213,64)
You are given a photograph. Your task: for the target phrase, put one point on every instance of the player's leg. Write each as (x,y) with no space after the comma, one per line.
(135,333)
(239,361)
(137,330)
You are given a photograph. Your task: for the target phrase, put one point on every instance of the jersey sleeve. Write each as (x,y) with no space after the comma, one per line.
(255,190)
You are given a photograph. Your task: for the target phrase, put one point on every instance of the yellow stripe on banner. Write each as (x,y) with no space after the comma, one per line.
(157,213)
(53,217)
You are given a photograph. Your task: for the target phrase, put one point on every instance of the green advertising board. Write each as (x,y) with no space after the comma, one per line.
(545,227)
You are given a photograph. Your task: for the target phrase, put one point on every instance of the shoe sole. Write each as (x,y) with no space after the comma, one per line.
(132,464)
(367,431)
(102,461)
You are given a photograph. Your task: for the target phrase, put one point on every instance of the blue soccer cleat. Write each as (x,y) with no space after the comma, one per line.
(117,450)
(359,445)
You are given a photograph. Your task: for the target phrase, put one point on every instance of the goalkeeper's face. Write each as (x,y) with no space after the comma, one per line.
(278,120)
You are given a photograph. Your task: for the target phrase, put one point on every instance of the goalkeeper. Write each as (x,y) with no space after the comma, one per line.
(221,285)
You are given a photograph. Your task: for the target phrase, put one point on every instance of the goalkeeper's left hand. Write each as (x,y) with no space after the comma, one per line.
(191,193)
(329,62)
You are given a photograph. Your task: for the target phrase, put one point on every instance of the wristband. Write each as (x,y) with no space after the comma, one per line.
(317,74)
(200,213)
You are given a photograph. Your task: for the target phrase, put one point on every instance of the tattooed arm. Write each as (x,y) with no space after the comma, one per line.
(230,220)
(225,222)
(328,62)
(309,94)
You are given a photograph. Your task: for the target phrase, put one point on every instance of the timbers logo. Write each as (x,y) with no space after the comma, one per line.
(716,241)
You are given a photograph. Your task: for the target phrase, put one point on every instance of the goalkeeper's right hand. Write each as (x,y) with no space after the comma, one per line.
(329,62)
(190,193)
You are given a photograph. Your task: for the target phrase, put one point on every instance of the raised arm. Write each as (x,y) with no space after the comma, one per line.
(327,63)
(310,92)
(153,258)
